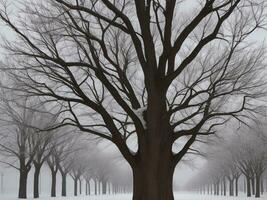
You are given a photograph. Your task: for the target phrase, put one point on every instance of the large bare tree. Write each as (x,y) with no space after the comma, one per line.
(150,71)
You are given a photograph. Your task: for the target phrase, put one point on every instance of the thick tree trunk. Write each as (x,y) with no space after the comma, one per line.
(64,185)
(248,187)
(23,176)
(257,180)
(54,184)
(153,181)
(36,181)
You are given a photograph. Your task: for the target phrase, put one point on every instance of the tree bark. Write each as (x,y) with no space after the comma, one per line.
(75,186)
(99,187)
(153,181)
(80,184)
(23,176)
(54,184)
(257,180)
(64,184)
(253,185)
(221,187)
(224,187)
(231,187)
(248,187)
(36,181)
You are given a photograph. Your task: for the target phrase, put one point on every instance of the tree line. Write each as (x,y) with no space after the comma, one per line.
(27,142)
(239,163)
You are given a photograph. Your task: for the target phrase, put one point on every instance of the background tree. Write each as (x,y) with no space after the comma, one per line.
(42,140)
(19,141)
(67,146)
(78,168)
(242,154)
(137,69)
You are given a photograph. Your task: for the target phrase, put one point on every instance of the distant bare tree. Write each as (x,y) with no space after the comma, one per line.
(142,69)
(43,142)
(52,163)
(66,148)
(79,167)
(252,160)
(88,177)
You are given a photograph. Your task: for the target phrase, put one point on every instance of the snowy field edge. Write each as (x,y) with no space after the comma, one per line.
(178,196)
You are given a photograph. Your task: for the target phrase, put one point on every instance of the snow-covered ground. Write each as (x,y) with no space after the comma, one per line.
(178,196)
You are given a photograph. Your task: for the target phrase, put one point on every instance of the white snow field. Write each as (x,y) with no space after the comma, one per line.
(178,196)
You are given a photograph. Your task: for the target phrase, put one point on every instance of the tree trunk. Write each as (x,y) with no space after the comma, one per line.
(36,181)
(104,187)
(245,189)
(253,185)
(86,188)
(23,176)
(262,186)
(95,186)
(54,183)
(64,184)
(218,188)
(89,188)
(152,181)
(248,187)
(80,184)
(224,187)
(257,180)
(231,187)
(236,186)
(221,187)
(75,186)
(99,187)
